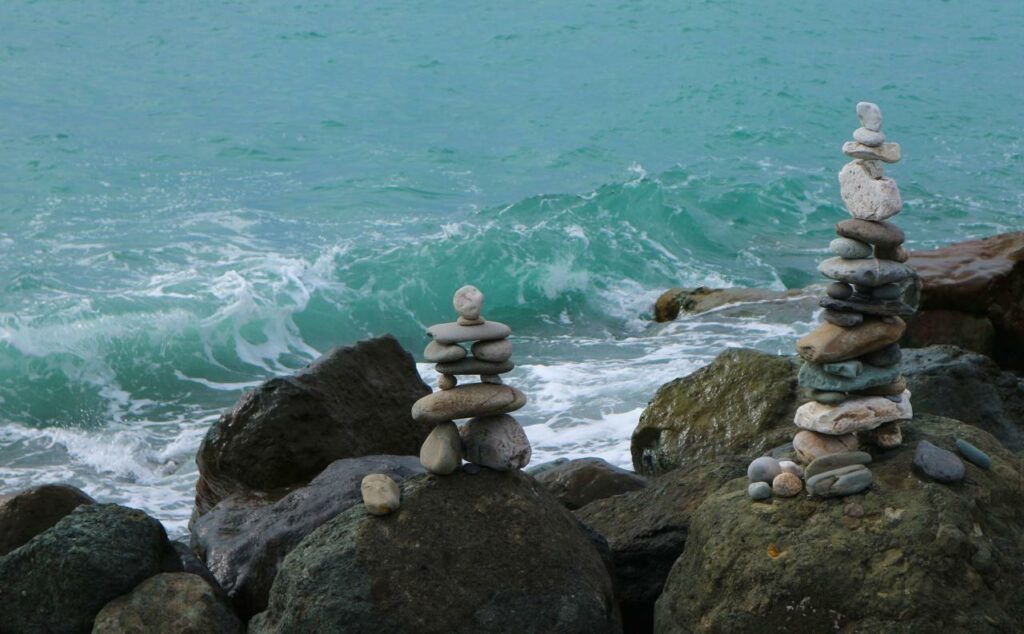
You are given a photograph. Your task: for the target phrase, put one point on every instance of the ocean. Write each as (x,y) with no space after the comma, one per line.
(198,195)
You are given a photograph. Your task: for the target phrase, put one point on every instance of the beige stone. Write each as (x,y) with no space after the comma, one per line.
(886,436)
(465,401)
(786,485)
(496,442)
(810,445)
(868,198)
(381,494)
(894,388)
(441,452)
(829,343)
(468,302)
(857,413)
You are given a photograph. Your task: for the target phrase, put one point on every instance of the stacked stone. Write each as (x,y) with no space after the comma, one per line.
(852,360)
(491,437)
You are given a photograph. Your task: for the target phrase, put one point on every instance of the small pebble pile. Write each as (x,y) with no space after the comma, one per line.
(491,437)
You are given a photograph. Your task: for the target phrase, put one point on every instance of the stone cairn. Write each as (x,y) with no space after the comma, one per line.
(491,437)
(851,369)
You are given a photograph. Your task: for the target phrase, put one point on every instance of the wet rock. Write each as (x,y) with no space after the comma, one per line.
(813,376)
(742,403)
(244,539)
(860,413)
(169,603)
(495,442)
(61,578)
(896,575)
(869,272)
(576,483)
(514,560)
(27,513)
(984,278)
(351,402)
(786,485)
(381,495)
(829,343)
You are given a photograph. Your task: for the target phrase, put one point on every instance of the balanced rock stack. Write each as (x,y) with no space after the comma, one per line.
(852,360)
(490,438)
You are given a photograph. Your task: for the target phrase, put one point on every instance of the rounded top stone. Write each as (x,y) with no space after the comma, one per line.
(870,115)
(468,301)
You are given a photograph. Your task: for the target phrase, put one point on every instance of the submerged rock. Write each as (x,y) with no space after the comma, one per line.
(61,578)
(169,603)
(579,482)
(492,552)
(742,403)
(351,402)
(909,559)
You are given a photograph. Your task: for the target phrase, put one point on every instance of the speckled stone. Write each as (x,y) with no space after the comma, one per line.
(888,292)
(763,469)
(937,463)
(850,249)
(886,152)
(788,466)
(859,413)
(869,272)
(786,485)
(839,290)
(848,369)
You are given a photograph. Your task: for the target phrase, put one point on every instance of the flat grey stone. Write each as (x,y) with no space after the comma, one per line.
(759,490)
(842,318)
(870,272)
(452,332)
(824,484)
(973,454)
(851,483)
(473,365)
(850,249)
(443,353)
(886,152)
(836,461)
(879,308)
(494,351)
(869,115)
(869,138)
(881,234)
(813,376)
(868,198)
(848,369)
(888,292)
(937,463)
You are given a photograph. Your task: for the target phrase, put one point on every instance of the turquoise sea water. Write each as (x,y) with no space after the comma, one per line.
(195,196)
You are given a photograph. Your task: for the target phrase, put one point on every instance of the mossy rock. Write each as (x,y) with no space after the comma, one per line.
(741,404)
(908,555)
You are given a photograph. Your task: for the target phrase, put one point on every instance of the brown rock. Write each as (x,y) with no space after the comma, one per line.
(896,254)
(811,445)
(169,603)
(698,300)
(940,327)
(577,483)
(893,389)
(981,277)
(27,513)
(880,234)
(786,485)
(887,436)
(829,343)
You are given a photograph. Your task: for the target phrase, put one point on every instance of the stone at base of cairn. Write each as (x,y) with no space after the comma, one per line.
(441,453)
(496,442)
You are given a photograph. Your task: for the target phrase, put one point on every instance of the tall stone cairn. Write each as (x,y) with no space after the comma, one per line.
(491,437)
(851,368)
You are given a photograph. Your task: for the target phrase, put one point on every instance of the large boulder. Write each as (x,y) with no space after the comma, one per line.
(950,327)
(983,278)
(27,513)
(646,531)
(61,578)
(970,387)
(909,555)
(491,552)
(168,603)
(243,540)
(353,401)
(579,482)
(742,403)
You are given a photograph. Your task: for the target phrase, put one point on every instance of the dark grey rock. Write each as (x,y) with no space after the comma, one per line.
(888,292)
(887,356)
(867,306)
(763,469)
(844,319)
(880,234)
(488,553)
(836,461)
(829,398)
(576,483)
(839,290)
(473,365)
(351,402)
(937,463)
(243,540)
(61,578)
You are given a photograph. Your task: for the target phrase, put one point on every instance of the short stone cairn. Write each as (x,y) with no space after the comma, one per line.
(491,437)
(851,369)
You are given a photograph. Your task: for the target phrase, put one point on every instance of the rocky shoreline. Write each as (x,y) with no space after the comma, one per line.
(286,538)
